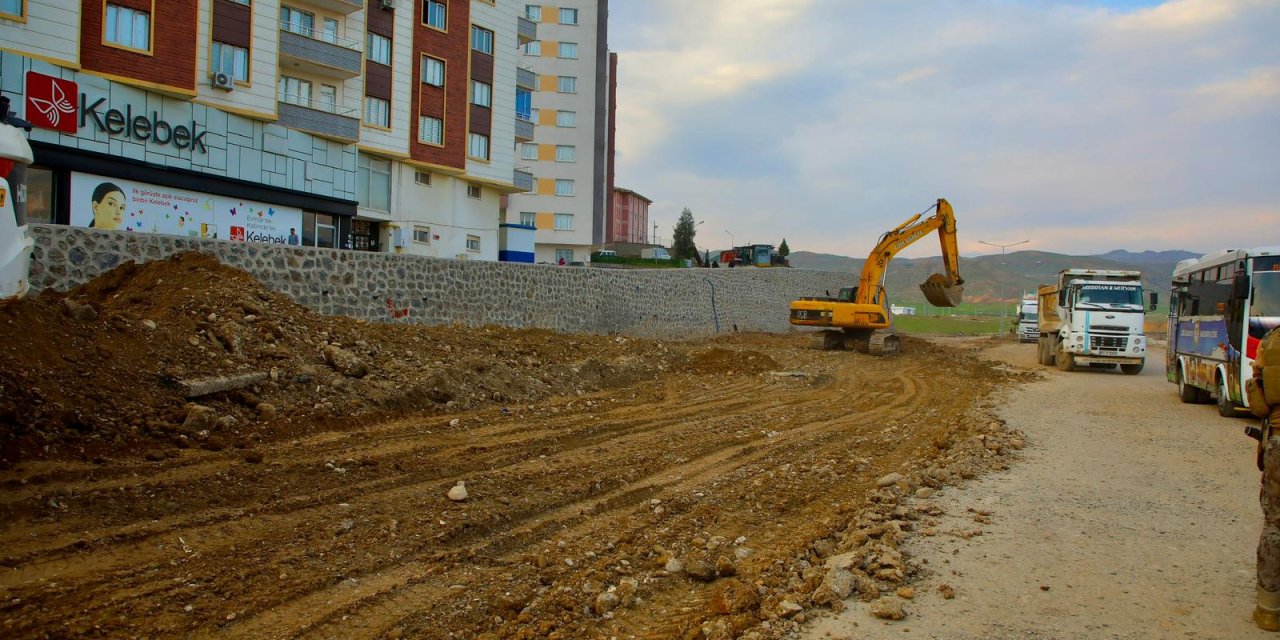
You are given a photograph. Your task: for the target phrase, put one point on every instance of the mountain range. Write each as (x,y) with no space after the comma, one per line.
(997,277)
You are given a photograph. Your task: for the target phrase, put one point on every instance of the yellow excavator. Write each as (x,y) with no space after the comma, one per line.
(856,317)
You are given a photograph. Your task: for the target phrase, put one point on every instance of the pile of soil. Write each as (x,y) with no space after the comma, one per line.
(100,371)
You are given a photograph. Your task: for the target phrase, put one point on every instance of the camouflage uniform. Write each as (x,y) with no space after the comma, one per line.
(1267,612)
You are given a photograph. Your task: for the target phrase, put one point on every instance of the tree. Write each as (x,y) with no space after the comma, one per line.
(682,246)
(783,249)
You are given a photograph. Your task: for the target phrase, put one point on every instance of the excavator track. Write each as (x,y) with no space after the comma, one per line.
(883,344)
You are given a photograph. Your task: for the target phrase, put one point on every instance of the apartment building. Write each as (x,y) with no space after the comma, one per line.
(570,153)
(351,124)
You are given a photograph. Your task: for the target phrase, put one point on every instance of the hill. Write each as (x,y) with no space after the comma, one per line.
(994,277)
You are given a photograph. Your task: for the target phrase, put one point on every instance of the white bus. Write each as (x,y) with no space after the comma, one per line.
(1222,305)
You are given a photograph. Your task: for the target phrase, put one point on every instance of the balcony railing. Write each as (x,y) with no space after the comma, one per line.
(322,36)
(312,103)
(524,128)
(522,178)
(526,78)
(526,31)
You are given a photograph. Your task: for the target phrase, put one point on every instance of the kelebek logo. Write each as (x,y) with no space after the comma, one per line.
(51,102)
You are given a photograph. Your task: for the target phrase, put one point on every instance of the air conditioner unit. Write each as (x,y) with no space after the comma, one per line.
(388,4)
(224,81)
(397,237)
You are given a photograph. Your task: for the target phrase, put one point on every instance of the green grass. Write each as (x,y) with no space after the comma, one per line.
(948,325)
(647,263)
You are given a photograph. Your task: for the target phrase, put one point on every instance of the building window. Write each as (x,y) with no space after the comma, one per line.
(568,50)
(329,31)
(524,104)
(433,71)
(295,91)
(533,48)
(228,59)
(435,12)
(380,49)
(481,94)
(567,84)
(12,8)
(328,100)
(128,27)
(430,130)
(481,40)
(373,183)
(533,12)
(473,191)
(377,112)
(298,21)
(529,151)
(421,235)
(422,177)
(478,146)
(564,222)
(564,187)
(566,153)
(564,256)
(566,118)
(529,219)
(568,16)
(473,243)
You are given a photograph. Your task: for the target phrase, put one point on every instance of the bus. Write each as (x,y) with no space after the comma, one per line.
(1221,306)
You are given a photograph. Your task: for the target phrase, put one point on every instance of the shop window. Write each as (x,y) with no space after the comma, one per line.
(364,235)
(40,195)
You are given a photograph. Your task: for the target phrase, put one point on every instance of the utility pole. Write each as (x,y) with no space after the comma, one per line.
(1002,248)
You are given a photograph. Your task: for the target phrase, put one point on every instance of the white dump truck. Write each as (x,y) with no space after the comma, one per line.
(15,244)
(1094,317)
(1028,319)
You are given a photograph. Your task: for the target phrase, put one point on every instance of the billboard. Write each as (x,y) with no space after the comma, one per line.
(109,203)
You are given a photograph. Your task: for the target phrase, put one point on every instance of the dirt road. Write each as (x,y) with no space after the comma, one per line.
(1130,516)
(700,502)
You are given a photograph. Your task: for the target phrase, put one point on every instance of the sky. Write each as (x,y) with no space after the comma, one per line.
(1078,126)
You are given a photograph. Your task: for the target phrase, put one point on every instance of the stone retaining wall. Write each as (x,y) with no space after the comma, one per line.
(643,302)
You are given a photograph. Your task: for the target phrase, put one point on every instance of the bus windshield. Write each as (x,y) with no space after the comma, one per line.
(1266,295)
(1110,296)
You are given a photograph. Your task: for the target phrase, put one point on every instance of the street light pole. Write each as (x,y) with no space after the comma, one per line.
(1002,248)
(731,243)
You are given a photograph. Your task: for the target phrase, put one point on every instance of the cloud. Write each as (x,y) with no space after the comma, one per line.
(1083,128)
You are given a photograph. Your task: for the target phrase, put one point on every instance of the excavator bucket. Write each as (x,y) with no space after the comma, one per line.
(940,292)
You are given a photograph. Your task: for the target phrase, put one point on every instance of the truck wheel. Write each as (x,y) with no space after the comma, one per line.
(1066,360)
(1046,353)
(1226,408)
(1131,369)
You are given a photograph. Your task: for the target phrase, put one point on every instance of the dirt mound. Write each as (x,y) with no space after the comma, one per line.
(722,360)
(101,370)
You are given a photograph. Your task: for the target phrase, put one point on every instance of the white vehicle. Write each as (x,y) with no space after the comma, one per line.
(1094,317)
(655,253)
(1028,319)
(15,244)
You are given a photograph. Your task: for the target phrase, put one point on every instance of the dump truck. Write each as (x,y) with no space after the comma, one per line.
(1029,319)
(1093,317)
(858,317)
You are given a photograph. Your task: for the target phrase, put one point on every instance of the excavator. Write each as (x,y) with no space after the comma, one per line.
(858,316)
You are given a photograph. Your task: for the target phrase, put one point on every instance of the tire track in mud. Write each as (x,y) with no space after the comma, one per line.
(509,454)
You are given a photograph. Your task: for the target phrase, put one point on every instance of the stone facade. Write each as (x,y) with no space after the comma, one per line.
(650,302)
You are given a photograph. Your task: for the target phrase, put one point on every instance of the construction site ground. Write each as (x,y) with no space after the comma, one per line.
(738,486)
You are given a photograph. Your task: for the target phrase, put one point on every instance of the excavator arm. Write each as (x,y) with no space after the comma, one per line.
(941,290)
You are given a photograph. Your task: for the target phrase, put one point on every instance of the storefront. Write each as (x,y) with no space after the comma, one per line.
(110,155)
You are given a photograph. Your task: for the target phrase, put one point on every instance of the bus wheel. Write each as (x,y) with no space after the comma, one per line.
(1226,408)
(1186,393)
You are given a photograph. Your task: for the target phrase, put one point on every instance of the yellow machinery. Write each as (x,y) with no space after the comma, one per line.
(856,314)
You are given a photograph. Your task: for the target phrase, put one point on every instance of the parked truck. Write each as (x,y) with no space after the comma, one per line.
(1093,317)
(1028,319)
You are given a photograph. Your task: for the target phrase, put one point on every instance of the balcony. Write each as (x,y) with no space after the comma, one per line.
(526,78)
(319,53)
(526,31)
(522,179)
(524,128)
(320,118)
(341,7)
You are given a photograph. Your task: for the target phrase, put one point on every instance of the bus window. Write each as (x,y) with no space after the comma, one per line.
(1266,294)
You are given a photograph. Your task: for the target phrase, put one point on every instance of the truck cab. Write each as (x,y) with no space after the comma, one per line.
(1095,318)
(1028,320)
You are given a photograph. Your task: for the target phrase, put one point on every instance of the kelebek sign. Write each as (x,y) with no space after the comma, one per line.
(50,106)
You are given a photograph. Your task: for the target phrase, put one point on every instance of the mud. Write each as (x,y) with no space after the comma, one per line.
(615,487)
